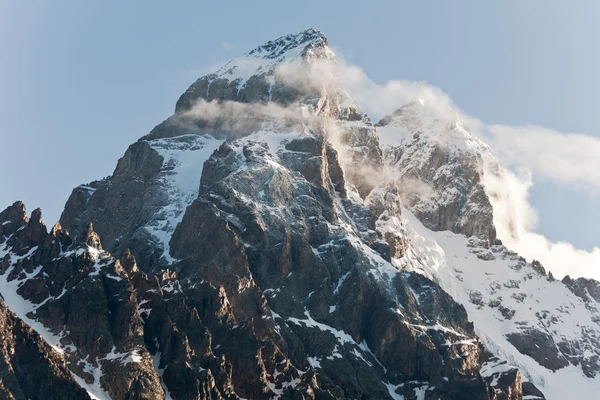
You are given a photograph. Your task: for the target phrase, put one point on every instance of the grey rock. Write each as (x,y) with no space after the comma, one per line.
(540,346)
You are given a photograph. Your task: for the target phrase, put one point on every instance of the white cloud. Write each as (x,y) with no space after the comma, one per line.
(227,46)
(561,258)
(568,159)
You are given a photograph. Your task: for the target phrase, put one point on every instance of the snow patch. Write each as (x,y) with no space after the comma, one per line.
(183,161)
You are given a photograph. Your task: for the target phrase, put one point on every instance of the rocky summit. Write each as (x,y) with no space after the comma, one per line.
(268,241)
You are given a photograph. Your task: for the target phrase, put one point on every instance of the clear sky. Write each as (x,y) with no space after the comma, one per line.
(81,80)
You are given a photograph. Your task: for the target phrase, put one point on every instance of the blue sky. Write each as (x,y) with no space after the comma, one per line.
(80,81)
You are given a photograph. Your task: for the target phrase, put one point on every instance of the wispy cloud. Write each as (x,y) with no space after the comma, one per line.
(561,258)
(227,46)
(565,158)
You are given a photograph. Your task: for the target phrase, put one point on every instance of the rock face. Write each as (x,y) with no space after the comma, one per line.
(29,367)
(276,86)
(256,245)
(441,167)
(139,206)
(274,292)
(255,78)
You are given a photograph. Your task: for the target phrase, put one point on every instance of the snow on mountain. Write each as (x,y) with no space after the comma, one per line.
(11,290)
(525,318)
(303,251)
(441,168)
(431,125)
(445,166)
(183,160)
(273,54)
(521,314)
(279,71)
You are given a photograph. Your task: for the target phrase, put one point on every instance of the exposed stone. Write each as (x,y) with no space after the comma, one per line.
(29,367)
(531,392)
(12,218)
(540,346)
(443,183)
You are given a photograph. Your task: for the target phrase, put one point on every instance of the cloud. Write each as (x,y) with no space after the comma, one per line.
(565,158)
(227,46)
(379,100)
(561,258)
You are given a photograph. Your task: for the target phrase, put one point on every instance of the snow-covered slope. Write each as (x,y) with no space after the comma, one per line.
(522,315)
(285,70)
(454,187)
(183,159)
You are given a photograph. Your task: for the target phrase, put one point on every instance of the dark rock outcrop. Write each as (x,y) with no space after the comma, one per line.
(540,346)
(29,367)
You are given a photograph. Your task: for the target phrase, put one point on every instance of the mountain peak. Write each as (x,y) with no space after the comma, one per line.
(265,58)
(417,113)
(432,124)
(303,40)
(253,77)
(262,239)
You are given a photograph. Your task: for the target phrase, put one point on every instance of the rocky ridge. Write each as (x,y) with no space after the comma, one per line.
(29,368)
(442,167)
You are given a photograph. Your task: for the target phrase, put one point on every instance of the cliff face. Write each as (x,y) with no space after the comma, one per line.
(442,166)
(261,243)
(286,85)
(29,367)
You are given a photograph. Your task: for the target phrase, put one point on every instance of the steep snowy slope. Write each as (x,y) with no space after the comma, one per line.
(526,318)
(521,314)
(268,73)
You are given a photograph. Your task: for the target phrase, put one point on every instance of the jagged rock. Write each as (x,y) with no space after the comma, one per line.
(262,248)
(586,289)
(223,85)
(29,367)
(384,201)
(441,168)
(144,196)
(531,392)
(538,267)
(509,386)
(539,346)
(80,299)
(12,218)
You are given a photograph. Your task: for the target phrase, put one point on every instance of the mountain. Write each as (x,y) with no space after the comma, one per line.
(269,241)
(528,320)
